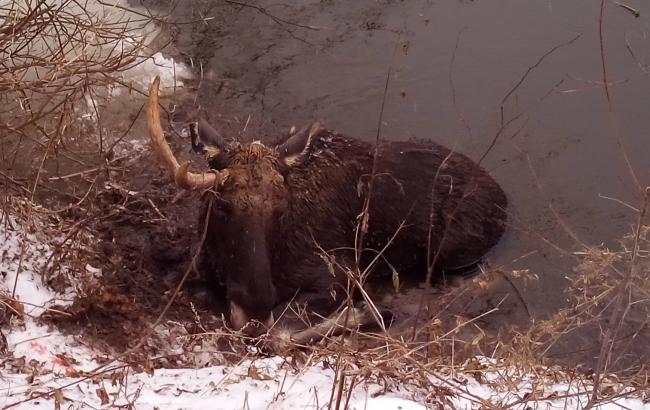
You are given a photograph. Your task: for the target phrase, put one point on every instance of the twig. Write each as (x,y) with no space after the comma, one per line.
(273,17)
(503,123)
(619,310)
(632,10)
(452,85)
(613,123)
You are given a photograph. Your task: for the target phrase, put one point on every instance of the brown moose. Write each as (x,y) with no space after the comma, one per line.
(286,222)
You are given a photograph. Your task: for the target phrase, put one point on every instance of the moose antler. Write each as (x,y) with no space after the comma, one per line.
(182,176)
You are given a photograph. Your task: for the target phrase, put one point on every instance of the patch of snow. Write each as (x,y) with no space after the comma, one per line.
(138,35)
(24,256)
(170,71)
(54,351)
(532,392)
(273,386)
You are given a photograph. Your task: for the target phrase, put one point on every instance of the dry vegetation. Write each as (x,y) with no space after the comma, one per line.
(60,59)
(120,214)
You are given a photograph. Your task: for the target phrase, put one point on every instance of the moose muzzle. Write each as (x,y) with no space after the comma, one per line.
(251,326)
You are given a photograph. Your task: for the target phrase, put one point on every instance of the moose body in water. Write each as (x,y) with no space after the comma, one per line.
(287,221)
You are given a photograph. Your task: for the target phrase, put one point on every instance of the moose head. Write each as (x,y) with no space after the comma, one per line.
(248,196)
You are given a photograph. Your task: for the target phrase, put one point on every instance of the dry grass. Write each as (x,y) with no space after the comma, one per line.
(61,59)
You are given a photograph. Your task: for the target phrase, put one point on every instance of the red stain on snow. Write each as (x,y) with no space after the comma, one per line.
(38,347)
(60,362)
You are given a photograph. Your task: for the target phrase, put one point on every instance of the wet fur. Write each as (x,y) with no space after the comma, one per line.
(318,200)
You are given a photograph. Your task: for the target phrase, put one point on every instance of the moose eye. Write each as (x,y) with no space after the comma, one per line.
(218,161)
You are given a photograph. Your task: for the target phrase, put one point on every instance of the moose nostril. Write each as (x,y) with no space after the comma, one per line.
(269,322)
(251,326)
(238,318)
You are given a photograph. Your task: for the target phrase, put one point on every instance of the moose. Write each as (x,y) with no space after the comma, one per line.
(290,221)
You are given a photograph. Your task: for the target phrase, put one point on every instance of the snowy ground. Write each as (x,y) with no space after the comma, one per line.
(45,367)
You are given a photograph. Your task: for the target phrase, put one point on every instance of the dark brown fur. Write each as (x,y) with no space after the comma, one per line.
(269,218)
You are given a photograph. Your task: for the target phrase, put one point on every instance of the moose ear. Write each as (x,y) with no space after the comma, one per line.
(205,139)
(295,149)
